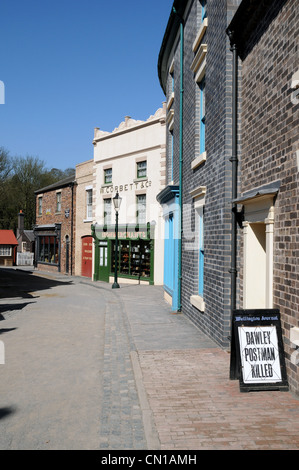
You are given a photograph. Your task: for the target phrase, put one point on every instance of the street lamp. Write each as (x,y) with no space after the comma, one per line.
(116,202)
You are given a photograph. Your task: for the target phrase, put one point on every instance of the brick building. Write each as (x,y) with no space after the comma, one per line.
(55,226)
(84,218)
(195,72)
(265,35)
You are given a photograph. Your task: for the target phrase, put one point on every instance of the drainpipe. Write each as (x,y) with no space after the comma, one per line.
(72,227)
(234,161)
(181,156)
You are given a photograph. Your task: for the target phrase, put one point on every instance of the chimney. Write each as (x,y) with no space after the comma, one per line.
(20,228)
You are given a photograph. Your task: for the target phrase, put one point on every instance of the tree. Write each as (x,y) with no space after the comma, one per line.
(5,164)
(19,178)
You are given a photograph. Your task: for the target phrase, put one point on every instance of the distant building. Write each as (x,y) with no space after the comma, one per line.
(55,226)
(131,161)
(8,248)
(84,218)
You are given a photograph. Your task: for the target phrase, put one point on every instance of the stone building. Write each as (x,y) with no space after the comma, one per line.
(54,231)
(265,35)
(130,161)
(84,218)
(195,72)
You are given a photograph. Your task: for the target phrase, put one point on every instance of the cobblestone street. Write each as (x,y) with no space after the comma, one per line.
(88,367)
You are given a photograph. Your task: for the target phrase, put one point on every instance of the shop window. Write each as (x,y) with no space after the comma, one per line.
(142,169)
(108,176)
(133,258)
(48,249)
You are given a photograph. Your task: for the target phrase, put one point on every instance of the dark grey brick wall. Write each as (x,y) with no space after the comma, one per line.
(270,123)
(215,173)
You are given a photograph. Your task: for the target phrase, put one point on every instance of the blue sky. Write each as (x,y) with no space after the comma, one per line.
(69,66)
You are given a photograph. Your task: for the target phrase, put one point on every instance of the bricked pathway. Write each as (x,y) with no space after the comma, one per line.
(197,407)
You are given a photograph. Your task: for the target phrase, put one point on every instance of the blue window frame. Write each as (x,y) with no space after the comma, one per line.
(171,256)
(203,9)
(201,254)
(202,143)
(171,136)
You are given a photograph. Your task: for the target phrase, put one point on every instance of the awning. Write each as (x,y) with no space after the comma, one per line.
(270,189)
(168,193)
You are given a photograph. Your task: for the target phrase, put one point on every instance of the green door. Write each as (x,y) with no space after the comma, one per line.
(103,262)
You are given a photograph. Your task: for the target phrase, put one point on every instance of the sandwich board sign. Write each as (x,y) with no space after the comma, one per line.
(259,350)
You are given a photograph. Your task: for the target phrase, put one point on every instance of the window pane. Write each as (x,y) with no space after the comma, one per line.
(202,116)
(201,254)
(141,169)
(5,251)
(108,176)
(58,199)
(141,209)
(48,249)
(40,202)
(89,203)
(107,211)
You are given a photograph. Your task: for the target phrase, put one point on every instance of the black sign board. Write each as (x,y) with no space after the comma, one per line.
(257,353)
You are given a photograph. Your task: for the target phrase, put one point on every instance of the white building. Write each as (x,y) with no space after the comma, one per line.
(130,160)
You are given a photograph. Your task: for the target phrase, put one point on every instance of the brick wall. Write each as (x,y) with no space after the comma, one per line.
(269,145)
(84,178)
(215,173)
(51,216)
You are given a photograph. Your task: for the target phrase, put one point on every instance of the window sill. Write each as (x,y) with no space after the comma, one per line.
(143,178)
(87,220)
(199,160)
(197,302)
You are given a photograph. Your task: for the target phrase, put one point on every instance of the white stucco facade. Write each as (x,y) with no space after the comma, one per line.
(131,160)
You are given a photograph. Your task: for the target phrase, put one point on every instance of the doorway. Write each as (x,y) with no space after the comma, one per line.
(103,261)
(86,264)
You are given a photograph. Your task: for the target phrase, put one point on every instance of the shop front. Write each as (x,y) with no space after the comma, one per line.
(48,246)
(135,260)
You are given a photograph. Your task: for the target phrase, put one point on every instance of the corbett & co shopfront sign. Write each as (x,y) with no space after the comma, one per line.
(109,189)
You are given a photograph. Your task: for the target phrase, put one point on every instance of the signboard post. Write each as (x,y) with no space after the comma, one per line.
(259,359)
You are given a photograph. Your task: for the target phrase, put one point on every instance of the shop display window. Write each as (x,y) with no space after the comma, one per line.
(48,249)
(133,258)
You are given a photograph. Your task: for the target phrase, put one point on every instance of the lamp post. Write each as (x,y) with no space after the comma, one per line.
(116,202)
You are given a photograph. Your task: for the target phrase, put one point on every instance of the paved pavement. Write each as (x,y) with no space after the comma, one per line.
(88,367)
